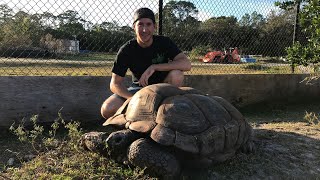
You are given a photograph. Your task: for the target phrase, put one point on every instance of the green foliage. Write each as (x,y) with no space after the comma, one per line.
(288,5)
(42,140)
(276,33)
(221,32)
(32,136)
(61,157)
(198,52)
(254,20)
(180,16)
(250,34)
(299,54)
(296,54)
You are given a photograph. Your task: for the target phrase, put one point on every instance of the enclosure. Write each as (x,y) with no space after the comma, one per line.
(44,38)
(56,59)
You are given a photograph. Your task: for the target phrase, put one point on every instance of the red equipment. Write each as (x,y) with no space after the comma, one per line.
(222,57)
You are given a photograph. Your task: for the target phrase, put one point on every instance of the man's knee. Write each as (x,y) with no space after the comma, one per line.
(110,106)
(106,111)
(175,77)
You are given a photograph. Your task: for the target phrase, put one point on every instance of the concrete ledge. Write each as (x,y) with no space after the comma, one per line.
(242,90)
(81,96)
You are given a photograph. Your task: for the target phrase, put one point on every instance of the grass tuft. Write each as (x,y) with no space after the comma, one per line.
(312,118)
(61,157)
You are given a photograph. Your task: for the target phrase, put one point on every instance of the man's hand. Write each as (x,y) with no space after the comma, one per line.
(180,62)
(143,81)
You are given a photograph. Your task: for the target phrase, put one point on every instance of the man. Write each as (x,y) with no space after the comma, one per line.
(151,59)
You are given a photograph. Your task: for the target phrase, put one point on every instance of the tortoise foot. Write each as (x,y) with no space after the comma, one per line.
(248,147)
(145,153)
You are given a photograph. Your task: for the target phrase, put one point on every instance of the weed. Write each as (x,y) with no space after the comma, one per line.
(312,79)
(311,118)
(31,136)
(59,155)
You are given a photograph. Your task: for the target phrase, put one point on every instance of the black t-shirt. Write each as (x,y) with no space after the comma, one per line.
(137,59)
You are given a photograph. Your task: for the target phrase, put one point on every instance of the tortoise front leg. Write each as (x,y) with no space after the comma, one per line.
(145,153)
(118,143)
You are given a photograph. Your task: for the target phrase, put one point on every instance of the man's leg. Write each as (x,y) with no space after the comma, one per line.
(114,102)
(111,105)
(175,77)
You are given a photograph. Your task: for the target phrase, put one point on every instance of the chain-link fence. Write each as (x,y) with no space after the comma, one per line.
(78,37)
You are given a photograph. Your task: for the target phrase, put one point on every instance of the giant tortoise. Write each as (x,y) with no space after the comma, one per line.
(165,128)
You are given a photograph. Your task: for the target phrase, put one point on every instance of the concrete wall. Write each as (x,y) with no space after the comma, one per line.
(80,97)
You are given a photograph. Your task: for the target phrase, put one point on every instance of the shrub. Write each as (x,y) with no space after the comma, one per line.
(198,52)
(59,155)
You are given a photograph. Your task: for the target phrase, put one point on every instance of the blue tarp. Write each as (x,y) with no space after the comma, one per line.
(248,60)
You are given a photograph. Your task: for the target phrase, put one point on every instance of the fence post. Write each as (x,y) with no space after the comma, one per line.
(296,23)
(295,29)
(160,17)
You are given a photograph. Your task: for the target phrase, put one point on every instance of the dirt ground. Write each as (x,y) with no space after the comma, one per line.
(287,146)
(284,151)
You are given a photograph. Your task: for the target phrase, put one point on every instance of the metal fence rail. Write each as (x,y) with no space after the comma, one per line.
(44,37)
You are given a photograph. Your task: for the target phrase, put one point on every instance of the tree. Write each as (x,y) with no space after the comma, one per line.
(69,17)
(6,13)
(220,31)
(47,20)
(277,33)
(71,25)
(250,33)
(245,20)
(107,36)
(299,54)
(254,20)
(5,16)
(23,30)
(180,16)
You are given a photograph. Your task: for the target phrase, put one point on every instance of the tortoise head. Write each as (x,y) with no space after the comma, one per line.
(118,143)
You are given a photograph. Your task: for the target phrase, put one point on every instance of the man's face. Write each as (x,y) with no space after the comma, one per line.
(144,29)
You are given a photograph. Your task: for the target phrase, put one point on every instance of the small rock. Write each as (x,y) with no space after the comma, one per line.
(309,156)
(29,157)
(10,162)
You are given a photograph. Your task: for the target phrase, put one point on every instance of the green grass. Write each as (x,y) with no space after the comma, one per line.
(99,64)
(96,69)
(90,57)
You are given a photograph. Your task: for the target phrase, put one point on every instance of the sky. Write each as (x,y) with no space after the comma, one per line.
(121,11)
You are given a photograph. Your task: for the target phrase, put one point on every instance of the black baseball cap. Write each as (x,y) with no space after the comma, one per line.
(143,13)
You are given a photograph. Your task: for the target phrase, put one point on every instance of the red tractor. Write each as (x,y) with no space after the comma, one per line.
(231,56)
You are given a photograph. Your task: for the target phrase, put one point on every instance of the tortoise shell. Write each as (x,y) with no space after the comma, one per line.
(184,118)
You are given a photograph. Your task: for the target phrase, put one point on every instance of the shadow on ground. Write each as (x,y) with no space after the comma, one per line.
(279,155)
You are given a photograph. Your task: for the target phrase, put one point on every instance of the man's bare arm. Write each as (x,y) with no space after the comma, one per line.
(117,86)
(180,62)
